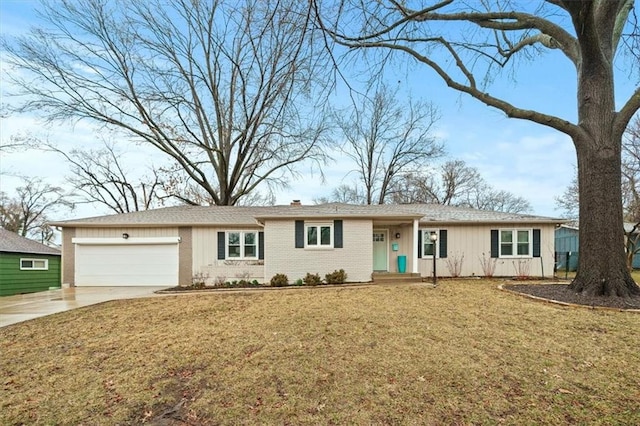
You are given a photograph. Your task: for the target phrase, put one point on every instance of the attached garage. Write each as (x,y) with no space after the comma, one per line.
(132,262)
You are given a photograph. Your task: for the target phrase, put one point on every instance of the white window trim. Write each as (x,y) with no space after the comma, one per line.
(514,244)
(426,233)
(318,246)
(242,255)
(34,259)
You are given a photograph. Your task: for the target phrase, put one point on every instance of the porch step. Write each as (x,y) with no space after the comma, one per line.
(395,277)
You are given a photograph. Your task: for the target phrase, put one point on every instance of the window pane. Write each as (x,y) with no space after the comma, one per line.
(249,251)
(506,249)
(523,236)
(234,251)
(39,264)
(312,236)
(428,246)
(233,244)
(250,238)
(523,243)
(325,235)
(429,250)
(26,263)
(506,236)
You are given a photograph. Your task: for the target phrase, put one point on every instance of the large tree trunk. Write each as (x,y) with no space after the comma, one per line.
(602,269)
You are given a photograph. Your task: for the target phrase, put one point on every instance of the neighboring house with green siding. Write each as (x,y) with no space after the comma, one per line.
(26,266)
(567,238)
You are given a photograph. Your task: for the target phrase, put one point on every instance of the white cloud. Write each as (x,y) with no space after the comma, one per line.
(536,167)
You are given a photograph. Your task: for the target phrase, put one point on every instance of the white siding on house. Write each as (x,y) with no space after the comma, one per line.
(471,241)
(356,256)
(205,258)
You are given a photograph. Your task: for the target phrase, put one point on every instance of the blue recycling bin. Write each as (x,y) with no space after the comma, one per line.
(402,264)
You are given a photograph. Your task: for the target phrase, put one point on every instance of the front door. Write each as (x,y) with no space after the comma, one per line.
(380,247)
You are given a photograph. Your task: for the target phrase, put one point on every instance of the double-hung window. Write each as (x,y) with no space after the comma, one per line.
(429,247)
(242,245)
(515,243)
(34,264)
(319,235)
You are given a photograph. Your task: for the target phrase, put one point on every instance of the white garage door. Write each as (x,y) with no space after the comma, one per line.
(127,265)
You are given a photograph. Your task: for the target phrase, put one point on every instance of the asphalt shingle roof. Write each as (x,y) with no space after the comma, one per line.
(243,216)
(10,242)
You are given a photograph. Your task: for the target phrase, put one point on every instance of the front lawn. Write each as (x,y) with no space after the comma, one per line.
(462,353)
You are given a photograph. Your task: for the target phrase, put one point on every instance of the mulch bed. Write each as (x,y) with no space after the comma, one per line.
(561,293)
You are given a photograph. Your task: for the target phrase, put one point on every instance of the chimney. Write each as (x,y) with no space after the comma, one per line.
(296,203)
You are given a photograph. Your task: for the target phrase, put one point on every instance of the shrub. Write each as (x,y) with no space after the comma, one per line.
(255,283)
(244,275)
(336,277)
(454,264)
(522,269)
(299,281)
(279,280)
(199,280)
(488,265)
(312,279)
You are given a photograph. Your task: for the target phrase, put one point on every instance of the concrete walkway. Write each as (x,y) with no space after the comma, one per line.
(23,307)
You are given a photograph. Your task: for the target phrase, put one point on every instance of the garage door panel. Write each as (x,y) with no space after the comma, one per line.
(127,265)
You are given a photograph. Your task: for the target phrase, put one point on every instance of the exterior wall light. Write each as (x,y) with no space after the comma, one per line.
(125,235)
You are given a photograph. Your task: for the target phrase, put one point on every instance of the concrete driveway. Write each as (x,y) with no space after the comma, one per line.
(22,307)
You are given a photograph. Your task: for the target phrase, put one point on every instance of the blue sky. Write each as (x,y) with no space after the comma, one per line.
(524,158)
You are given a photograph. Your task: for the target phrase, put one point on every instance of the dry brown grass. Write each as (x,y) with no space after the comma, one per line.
(463,353)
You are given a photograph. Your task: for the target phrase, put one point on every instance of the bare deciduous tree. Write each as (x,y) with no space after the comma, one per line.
(98,176)
(631,172)
(499,200)
(455,183)
(15,143)
(27,212)
(569,201)
(176,185)
(463,44)
(225,89)
(385,138)
(348,194)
